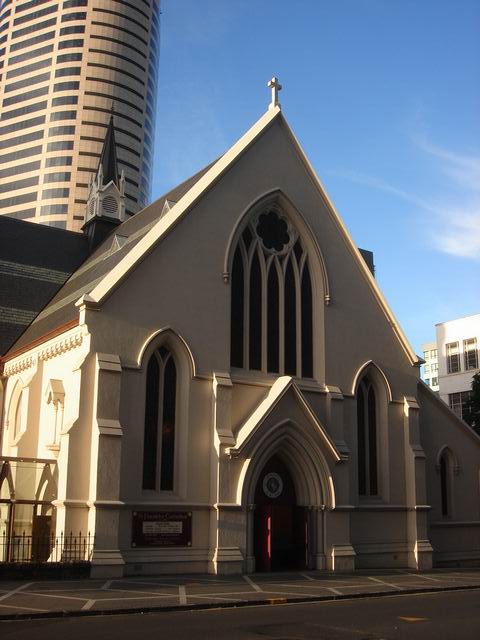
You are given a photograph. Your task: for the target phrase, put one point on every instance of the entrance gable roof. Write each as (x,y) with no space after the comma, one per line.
(279,389)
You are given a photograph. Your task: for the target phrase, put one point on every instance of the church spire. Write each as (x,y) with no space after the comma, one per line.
(108,158)
(106,202)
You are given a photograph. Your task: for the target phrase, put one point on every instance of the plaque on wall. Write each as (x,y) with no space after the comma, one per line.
(162,529)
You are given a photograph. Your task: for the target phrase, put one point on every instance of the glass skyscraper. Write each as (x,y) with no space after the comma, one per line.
(64,66)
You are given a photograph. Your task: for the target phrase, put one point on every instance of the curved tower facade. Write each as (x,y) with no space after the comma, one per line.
(64,66)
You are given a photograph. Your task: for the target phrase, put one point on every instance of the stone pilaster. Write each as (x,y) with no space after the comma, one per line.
(419,547)
(228,520)
(106,444)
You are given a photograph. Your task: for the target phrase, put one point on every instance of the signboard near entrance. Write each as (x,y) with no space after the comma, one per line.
(161,529)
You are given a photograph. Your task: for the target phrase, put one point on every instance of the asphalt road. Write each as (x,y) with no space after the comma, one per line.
(440,616)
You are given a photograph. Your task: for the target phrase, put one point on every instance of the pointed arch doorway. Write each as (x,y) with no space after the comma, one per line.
(280,524)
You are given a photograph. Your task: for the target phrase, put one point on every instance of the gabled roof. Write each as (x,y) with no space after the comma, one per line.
(277,391)
(102,273)
(36,242)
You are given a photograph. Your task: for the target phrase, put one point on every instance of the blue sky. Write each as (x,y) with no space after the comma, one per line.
(384,97)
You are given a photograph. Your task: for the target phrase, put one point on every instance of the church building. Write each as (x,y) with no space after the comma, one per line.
(220,386)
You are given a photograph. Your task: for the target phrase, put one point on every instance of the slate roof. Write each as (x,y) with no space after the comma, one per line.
(35,261)
(61,308)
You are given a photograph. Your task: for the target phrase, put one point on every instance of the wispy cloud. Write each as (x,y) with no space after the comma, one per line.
(381,185)
(453,221)
(461,168)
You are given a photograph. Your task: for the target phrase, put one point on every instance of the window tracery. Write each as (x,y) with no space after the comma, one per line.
(271,298)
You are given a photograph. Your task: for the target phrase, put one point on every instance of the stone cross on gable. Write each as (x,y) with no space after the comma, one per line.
(275,86)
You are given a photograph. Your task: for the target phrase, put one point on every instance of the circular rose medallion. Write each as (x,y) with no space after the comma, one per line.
(272,485)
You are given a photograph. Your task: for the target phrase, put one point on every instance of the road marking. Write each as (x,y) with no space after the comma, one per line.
(107,585)
(388,584)
(419,575)
(152,597)
(411,619)
(182,594)
(17,590)
(14,606)
(335,591)
(252,583)
(88,605)
(218,598)
(148,593)
(170,585)
(307,577)
(49,595)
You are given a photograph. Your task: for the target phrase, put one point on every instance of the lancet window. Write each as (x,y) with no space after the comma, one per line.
(271,298)
(447,467)
(160,418)
(367,439)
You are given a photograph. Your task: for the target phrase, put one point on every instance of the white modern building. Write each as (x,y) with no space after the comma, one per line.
(452,361)
(430,368)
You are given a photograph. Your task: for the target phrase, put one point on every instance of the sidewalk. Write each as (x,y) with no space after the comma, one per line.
(55,598)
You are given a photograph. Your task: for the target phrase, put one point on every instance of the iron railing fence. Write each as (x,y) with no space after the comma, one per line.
(64,548)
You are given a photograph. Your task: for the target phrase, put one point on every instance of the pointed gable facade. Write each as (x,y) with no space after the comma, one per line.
(222,387)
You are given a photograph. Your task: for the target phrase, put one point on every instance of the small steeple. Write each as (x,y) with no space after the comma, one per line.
(106,202)
(108,159)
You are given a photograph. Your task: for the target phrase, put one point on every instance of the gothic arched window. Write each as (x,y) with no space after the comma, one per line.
(367,439)
(160,410)
(271,298)
(448,467)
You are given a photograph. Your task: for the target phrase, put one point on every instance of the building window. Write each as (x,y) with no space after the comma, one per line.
(447,467)
(367,439)
(17,425)
(271,299)
(434,382)
(434,354)
(427,368)
(459,403)
(453,357)
(427,381)
(444,484)
(434,367)
(470,354)
(160,415)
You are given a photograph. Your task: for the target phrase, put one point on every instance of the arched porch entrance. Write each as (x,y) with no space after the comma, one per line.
(281,530)
(288,530)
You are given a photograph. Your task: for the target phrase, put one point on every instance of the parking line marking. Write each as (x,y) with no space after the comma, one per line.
(307,577)
(419,575)
(182,594)
(252,583)
(14,606)
(388,584)
(107,585)
(17,590)
(335,591)
(88,605)
(48,595)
